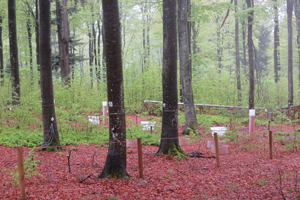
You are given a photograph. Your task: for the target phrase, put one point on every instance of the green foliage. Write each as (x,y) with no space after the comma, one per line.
(177,152)
(30,168)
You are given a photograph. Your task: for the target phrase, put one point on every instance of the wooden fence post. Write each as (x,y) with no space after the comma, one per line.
(217,149)
(21,173)
(140,155)
(271,144)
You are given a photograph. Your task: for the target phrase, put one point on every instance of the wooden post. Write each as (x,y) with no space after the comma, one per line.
(21,173)
(140,155)
(217,149)
(271,144)
(269,126)
(231,128)
(151,129)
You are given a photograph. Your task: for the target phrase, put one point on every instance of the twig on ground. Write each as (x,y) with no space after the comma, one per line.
(69,160)
(280,189)
(181,172)
(85,178)
(199,155)
(201,168)
(50,177)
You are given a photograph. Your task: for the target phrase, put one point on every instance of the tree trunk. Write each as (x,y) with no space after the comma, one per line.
(115,165)
(250,53)
(37,35)
(290,51)
(103,53)
(297,14)
(51,136)
(91,58)
(1,55)
(237,56)
(99,47)
(29,34)
(14,60)
(185,69)
(63,40)
(276,43)
(169,80)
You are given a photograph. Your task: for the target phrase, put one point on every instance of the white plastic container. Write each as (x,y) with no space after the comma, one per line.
(220,130)
(147,125)
(131,143)
(94,119)
(212,142)
(251,121)
(223,149)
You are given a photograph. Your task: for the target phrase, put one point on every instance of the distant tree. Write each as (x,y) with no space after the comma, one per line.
(276,43)
(186,68)
(1,55)
(115,165)
(169,134)
(29,35)
(297,14)
(290,51)
(250,52)
(14,59)
(237,55)
(63,40)
(51,136)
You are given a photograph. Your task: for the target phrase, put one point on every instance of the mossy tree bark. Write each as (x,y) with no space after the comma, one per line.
(115,165)
(191,124)
(13,46)
(169,134)
(51,136)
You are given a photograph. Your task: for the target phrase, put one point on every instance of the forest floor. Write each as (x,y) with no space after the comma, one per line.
(246,172)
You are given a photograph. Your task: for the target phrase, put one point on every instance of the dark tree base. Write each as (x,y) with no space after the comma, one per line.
(115,167)
(172,149)
(189,129)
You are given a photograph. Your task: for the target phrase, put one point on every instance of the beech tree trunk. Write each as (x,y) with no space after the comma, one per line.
(14,60)
(237,56)
(63,40)
(115,165)
(297,14)
(290,51)
(276,44)
(29,34)
(99,47)
(186,69)
(169,80)
(91,58)
(250,52)
(1,55)
(51,137)
(37,34)
(103,54)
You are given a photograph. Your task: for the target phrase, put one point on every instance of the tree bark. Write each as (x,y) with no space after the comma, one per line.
(276,43)
(63,40)
(250,52)
(91,58)
(99,47)
(297,14)
(29,34)
(115,165)
(237,56)
(290,51)
(169,134)
(14,60)
(37,35)
(1,55)
(103,54)
(51,136)
(191,124)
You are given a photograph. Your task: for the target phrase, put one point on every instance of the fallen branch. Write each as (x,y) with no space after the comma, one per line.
(85,178)
(50,177)
(199,155)
(202,168)
(69,160)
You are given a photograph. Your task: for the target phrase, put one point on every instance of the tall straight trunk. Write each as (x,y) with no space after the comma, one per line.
(144,37)
(1,55)
(94,43)
(103,53)
(37,34)
(237,55)
(250,52)
(51,136)
(297,14)
(191,124)
(115,165)
(276,43)
(91,58)
(14,60)
(169,80)
(290,51)
(29,34)
(64,56)
(219,51)
(99,48)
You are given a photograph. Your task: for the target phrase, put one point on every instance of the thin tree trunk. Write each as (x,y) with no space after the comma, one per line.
(297,14)
(64,59)
(37,35)
(29,34)
(290,51)
(99,47)
(115,165)
(14,60)
(276,44)
(169,80)
(103,53)
(191,124)
(51,136)
(91,59)
(1,55)
(237,56)
(250,52)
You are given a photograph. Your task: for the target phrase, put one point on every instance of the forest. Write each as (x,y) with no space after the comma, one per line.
(149,99)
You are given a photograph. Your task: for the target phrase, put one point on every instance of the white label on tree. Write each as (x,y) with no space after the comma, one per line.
(110,104)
